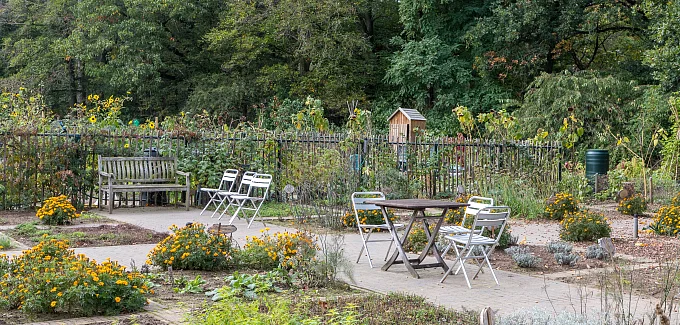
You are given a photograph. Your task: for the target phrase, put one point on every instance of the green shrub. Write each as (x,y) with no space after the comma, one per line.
(676,200)
(192,248)
(280,250)
(455,216)
(417,240)
(562,205)
(667,221)
(51,278)
(57,210)
(366,217)
(251,286)
(632,206)
(584,226)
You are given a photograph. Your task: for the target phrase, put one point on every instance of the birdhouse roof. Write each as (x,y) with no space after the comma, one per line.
(410,114)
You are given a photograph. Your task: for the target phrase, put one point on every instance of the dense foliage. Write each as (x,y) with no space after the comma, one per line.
(51,278)
(584,226)
(260,59)
(192,248)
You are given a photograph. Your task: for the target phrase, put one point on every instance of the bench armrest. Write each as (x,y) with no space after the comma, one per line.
(185,174)
(110,177)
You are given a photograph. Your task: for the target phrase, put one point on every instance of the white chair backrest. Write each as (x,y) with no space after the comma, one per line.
(359,202)
(228,180)
(245,182)
(477,203)
(259,181)
(495,217)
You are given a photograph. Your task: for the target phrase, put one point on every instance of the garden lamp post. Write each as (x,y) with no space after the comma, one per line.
(635,226)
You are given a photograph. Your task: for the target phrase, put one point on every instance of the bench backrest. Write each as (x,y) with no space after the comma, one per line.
(140,169)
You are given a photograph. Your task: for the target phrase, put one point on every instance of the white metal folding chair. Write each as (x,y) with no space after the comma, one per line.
(253,199)
(226,184)
(365,231)
(475,246)
(224,197)
(476,203)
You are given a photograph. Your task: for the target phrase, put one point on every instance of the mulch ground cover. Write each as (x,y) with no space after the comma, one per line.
(9,218)
(92,236)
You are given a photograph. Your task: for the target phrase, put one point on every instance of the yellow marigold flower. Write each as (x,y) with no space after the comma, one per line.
(117,299)
(53,303)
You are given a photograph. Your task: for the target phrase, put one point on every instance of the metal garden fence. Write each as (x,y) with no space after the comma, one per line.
(35,166)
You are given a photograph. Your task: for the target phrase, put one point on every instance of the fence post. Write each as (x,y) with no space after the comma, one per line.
(651,190)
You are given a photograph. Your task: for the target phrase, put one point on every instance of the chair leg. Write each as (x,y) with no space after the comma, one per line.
(486,259)
(240,207)
(458,259)
(368,253)
(257,212)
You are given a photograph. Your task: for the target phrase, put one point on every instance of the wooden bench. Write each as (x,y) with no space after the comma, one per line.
(139,174)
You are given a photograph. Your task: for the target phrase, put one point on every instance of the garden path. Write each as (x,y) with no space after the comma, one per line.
(517,291)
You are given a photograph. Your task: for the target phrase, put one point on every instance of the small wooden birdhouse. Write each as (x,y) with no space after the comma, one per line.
(405,124)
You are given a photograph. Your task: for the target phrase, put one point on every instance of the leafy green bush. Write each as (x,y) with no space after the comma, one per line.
(675,201)
(584,226)
(632,206)
(192,248)
(251,286)
(455,216)
(280,250)
(57,210)
(51,278)
(417,240)
(667,221)
(366,217)
(562,205)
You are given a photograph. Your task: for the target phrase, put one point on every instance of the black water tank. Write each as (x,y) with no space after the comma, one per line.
(597,162)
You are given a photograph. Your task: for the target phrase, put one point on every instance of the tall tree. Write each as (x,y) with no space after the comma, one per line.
(289,48)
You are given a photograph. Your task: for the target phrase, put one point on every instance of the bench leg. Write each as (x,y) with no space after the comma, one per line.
(187,198)
(110,202)
(99,199)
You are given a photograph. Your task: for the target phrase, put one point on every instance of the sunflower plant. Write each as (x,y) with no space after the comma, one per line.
(57,210)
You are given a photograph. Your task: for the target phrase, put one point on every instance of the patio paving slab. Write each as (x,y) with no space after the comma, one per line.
(516,291)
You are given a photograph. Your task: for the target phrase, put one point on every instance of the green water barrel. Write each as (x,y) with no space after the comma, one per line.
(597,162)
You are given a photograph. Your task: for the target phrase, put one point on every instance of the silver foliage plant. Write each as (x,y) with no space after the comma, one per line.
(538,316)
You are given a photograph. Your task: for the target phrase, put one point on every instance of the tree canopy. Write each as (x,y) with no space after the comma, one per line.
(606,64)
